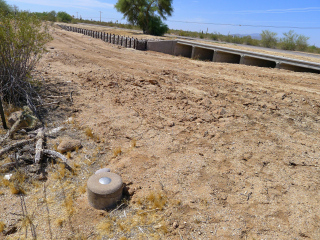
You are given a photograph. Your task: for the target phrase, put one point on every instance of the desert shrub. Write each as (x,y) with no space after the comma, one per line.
(268,39)
(293,41)
(288,42)
(302,43)
(313,49)
(22,42)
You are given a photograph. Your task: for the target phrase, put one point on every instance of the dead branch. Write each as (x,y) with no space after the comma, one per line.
(4,124)
(57,155)
(8,165)
(15,145)
(47,104)
(39,145)
(16,126)
(54,131)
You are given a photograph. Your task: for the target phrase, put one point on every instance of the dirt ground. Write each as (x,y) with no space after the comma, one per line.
(210,150)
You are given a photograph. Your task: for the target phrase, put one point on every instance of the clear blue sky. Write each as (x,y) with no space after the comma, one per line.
(207,14)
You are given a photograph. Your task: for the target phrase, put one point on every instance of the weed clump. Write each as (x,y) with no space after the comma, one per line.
(2,226)
(88,131)
(117,151)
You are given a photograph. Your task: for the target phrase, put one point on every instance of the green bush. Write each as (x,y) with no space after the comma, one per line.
(302,43)
(293,41)
(64,17)
(288,42)
(268,39)
(22,42)
(156,27)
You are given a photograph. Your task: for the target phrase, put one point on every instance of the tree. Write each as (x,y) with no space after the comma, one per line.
(145,13)
(63,17)
(52,16)
(5,7)
(268,39)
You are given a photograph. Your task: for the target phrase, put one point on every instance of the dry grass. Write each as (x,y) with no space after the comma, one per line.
(2,226)
(133,143)
(89,133)
(69,204)
(60,222)
(144,220)
(17,183)
(117,151)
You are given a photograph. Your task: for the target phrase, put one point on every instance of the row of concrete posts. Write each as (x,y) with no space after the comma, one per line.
(127,42)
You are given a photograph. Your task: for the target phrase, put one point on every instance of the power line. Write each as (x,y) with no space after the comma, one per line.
(231,24)
(245,25)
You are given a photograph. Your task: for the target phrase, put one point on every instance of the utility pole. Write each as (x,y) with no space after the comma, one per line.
(100,15)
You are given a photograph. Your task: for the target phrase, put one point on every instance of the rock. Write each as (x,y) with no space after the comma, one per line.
(14,117)
(171,124)
(221,111)
(68,145)
(206,102)
(154,82)
(175,225)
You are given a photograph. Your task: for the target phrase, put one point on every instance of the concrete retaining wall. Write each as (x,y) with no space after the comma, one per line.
(162,46)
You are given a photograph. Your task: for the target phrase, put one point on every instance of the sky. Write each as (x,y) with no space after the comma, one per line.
(221,16)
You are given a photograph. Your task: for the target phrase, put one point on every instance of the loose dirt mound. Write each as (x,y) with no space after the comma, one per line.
(210,150)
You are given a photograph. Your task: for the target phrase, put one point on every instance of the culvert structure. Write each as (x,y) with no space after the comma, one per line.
(216,53)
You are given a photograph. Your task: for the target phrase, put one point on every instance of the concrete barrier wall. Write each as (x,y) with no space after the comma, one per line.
(162,46)
(110,38)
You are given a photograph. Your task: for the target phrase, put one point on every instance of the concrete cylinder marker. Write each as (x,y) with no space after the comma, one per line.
(104,190)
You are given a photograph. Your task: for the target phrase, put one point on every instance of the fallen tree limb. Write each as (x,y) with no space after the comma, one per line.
(54,131)
(10,164)
(39,146)
(15,127)
(57,155)
(4,124)
(17,144)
